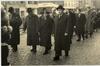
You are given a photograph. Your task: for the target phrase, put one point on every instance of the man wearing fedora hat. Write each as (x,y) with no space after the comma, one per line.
(61,34)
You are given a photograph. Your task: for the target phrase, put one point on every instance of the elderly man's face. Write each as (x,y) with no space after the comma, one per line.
(30,12)
(60,11)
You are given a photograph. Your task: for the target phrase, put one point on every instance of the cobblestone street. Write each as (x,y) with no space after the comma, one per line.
(86,52)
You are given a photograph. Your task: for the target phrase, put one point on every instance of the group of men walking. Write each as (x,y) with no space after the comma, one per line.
(40,29)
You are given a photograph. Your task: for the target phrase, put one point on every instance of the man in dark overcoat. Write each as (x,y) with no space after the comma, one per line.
(71,23)
(45,30)
(15,22)
(31,24)
(61,35)
(80,25)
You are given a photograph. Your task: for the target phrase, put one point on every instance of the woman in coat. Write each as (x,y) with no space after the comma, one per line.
(80,25)
(61,35)
(15,22)
(89,23)
(31,23)
(45,30)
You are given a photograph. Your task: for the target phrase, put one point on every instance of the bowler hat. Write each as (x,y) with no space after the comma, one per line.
(60,7)
(29,9)
(11,9)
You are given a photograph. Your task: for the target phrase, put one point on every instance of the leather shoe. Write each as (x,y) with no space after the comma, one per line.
(32,50)
(45,53)
(56,58)
(78,40)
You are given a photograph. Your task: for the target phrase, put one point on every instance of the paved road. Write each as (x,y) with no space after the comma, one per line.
(86,52)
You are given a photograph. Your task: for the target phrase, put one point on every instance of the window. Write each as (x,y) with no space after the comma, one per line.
(22,2)
(35,2)
(29,2)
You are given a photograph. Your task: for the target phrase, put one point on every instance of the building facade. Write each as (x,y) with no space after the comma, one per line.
(70,4)
(21,6)
(96,3)
(78,3)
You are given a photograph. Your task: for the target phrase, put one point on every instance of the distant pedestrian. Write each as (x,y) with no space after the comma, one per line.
(97,20)
(89,27)
(71,23)
(80,25)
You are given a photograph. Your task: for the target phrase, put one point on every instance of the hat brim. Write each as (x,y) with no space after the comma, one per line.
(60,8)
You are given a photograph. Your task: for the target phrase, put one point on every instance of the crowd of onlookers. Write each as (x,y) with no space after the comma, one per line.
(61,24)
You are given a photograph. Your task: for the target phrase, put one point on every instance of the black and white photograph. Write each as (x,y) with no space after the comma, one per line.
(50,32)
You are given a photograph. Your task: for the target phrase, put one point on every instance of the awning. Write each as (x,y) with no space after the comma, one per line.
(31,6)
(47,5)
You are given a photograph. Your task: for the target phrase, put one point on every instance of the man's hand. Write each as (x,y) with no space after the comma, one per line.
(38,33)
(66,34)
(74,26)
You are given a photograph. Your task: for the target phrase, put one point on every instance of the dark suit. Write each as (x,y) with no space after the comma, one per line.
(71,23)
(45,29)
(80,25)
(15,22)
(61,41)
